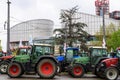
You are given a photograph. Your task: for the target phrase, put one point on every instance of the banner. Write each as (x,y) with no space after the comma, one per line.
(103,43)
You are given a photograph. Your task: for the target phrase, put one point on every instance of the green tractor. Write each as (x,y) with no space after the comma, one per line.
(82,65)
(39,59)
(5,60)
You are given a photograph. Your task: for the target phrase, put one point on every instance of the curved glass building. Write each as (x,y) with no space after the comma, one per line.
(38,28)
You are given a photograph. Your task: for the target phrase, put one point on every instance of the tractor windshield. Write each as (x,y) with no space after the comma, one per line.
(72,51)
(44,50)
(23,51)
(96,54)
(99,52)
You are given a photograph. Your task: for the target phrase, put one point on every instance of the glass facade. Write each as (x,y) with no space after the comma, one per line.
(33,28)
(94,22)
(25,31)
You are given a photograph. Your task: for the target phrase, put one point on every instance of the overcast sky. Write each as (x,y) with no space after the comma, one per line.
(22,10)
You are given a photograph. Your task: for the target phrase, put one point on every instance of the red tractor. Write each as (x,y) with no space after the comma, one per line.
(109,68)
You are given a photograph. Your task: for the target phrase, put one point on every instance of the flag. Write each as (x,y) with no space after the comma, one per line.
(20,43)
(111,49)
(65,47)
(103,43)
(30,40)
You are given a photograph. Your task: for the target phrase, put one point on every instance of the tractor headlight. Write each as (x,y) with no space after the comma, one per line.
(102,64)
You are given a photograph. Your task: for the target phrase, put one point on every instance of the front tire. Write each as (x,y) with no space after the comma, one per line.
(111,73)
(3,67)
(77,71)
(46,68)
(14,70)
(100,75)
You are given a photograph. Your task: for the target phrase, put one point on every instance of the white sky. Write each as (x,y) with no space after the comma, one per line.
(22,10)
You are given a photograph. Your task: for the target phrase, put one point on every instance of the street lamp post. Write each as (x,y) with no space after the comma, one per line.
(65,43)
(8,26)
(103,20)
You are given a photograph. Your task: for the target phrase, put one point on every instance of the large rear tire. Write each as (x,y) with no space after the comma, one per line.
(77,71)
(14,70)
(3,67)
(46,68)
(111,73)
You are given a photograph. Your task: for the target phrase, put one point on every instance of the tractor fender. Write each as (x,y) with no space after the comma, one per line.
(101,59)
(102,66)
(6,61)
(46,57)
(99,62)
(115,66)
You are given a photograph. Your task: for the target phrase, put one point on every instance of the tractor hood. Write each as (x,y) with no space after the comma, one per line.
(6,57)
(22,58)
(110,62)
(82,60)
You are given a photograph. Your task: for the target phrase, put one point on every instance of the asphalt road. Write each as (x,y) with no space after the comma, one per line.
(62,77)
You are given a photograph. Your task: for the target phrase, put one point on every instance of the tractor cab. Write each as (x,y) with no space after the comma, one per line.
(34,52)
(23,53)
(44,49)
(24,50)
(71,53)
(97,54)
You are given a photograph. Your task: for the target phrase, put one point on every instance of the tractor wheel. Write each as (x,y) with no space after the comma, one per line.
(46,68)
(3,67)
(77,71)
(59,68)
(100,75)
(14,70)
(111,73)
